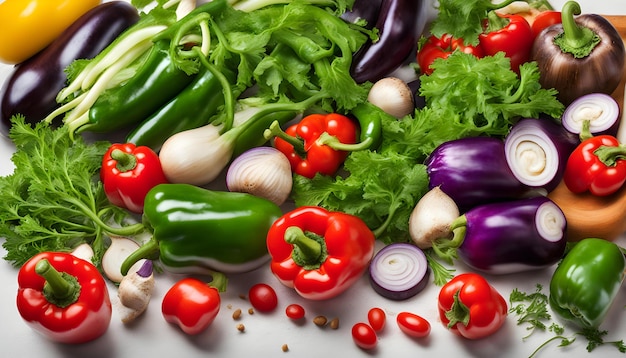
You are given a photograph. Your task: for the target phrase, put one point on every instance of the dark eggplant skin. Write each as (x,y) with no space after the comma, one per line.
(503,238)
(32,87)
(399,24)
(474,171)
(367,10)
(601,71)
(418,100)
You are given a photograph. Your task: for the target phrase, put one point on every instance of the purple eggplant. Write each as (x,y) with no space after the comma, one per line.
(473,171)
(32,87)
(537,150)
(503,238)
(418,100)
(399,24)
(367,10)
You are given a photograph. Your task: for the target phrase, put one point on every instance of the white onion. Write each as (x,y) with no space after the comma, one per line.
(550,222)
(399,271)
(393,96)
(601,110)
(261,171)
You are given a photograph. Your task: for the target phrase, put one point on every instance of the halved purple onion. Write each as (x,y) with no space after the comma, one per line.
(601,110)
(537,151)
(399,271)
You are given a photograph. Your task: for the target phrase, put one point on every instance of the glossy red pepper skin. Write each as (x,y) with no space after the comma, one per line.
(83,320)
(191,304)
(470,307)
(442,47)
(545,19)
(586,170)
(349,247)
(317,156)
(128,173)
(514,39)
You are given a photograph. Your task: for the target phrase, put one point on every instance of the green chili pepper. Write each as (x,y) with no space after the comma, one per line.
(191,108)
(586,282)
(157,81)
(197,230)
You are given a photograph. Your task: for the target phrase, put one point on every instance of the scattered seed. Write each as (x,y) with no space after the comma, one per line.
(237,314)
(241,327)
(285,348)
(229,306)
(320,321)
(334,323)
(242,296)
(250,310)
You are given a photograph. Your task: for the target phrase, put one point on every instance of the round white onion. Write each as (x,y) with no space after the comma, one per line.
(261,171)
(399,271)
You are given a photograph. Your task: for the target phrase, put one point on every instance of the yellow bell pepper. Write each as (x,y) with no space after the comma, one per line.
(28,26)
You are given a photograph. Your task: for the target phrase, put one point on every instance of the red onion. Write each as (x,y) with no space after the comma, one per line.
(601,110)
(399,271)
(537,151)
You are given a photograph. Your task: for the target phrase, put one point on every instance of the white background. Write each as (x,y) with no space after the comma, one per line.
(266,333)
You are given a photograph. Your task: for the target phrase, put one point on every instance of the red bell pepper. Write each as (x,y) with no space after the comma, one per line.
(308,144)
(63,297)
(442,47)
(193,304)
(319,253)
(545,19)
(128,173)
(510,34)
(597,165)
(470,307)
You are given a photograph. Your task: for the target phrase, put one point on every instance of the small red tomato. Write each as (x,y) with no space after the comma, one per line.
(294,311)
(376,317)
(191,304)
(413,325)
(364,336)
(263,297)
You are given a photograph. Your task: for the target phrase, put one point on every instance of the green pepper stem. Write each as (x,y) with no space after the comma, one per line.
(274,130)
(60,289)
(218,280)
(150,250)
(458,313)
(125,161)
(333,142)
(309,249)
(576,40)
(609,155)
(446,248)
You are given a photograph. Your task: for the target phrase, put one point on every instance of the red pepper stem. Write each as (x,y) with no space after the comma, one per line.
(309,250)
(219,281)
(458,313)
(609,155)
(274,130)
(60,289)
(125,161)
(332,141)
(585,132)
(576,40)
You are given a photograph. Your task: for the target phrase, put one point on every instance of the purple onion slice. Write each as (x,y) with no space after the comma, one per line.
(601,110)
(537,151)
(399,271)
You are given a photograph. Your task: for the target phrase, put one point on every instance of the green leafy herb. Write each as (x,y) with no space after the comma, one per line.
(53,200)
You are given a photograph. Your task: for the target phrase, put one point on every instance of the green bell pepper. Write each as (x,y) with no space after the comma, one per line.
(586,282)
(196,230)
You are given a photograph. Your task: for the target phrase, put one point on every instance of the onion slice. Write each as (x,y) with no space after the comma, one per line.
(537,151)
(601,110)
(399,271)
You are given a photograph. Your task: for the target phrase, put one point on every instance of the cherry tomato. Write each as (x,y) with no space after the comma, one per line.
(413,325)
(263,297)
(545,19)
(376,317)
(294,311)
(364,336)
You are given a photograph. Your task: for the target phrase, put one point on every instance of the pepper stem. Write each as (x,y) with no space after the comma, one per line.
(445,248)
(609,155)
(309,249)
(149,250)
(334,143)
(579,41)
(125,161)
(219,281)
(274,130)
(458,313)
(60,289)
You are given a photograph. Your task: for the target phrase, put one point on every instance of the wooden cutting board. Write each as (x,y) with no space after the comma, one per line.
(619,21)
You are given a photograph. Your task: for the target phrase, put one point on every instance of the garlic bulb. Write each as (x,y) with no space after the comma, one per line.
(393,96)
(261,171)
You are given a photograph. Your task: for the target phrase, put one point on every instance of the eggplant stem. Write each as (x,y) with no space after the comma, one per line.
(576,40)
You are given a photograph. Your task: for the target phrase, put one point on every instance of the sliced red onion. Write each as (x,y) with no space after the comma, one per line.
(399,271)
(601,110)
(537,151)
